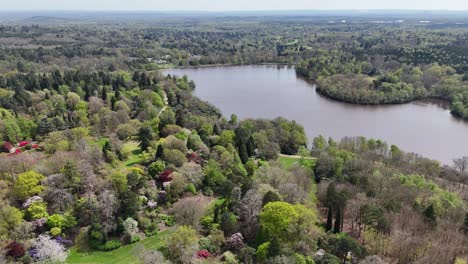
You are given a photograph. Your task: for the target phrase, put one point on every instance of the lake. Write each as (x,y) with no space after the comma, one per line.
(269,91)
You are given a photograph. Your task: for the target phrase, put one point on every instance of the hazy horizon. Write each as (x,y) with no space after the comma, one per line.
(233,6)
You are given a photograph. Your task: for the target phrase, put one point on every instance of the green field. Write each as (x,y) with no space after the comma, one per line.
(134,151)
(123,255)
(289,161)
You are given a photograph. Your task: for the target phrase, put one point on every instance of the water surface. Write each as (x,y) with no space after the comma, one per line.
(426,127)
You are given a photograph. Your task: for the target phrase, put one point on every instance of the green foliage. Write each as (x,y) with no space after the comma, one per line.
(276,218)
(156,168)
(134,239)
(119,180)
(213,174)
(28,184)
(438,203)
(37,210)
(262,252)
(182,242)
(55,220)
(175,157)
(226,138)
(10,218)
(145,136)
(230,258)
(111,245)
(287,222)
(56,231)
(191,188)
(340,244)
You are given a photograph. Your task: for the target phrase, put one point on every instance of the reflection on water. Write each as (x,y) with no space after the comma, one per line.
(424,127)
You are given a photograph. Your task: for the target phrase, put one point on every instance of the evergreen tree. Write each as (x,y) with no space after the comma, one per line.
(145,136)
(329,224)
(337,225)
(104,94)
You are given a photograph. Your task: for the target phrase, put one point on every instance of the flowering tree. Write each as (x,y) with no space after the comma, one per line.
(47,249)
(130,226)
(203,254)
(236,241)
(31,200)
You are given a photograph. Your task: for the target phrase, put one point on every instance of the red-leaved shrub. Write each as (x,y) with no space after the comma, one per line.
(7,146)
(165,176)
(15,250)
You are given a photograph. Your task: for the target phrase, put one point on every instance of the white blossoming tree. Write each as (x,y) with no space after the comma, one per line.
(49,250)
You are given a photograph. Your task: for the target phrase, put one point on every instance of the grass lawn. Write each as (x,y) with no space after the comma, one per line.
(134,151)
(123,255)
(289,161)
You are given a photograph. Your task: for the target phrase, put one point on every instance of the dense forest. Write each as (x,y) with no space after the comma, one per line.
(105,160)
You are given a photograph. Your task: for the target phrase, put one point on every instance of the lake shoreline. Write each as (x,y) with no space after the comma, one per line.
(266,92)
(225,65)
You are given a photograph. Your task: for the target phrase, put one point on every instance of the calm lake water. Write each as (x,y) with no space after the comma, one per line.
(262,91)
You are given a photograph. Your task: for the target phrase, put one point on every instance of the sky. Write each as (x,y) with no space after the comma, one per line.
(231,5)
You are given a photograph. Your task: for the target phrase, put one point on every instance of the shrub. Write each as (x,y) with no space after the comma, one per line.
(262,251)
(15,250)
(130,226)
(7,146)
(55,220)
(167,219)
(56,231)
(152,229)
(111,245)
(28,184)
(230,258)
(165,176)
(203,254)
(96,236)
(134,239)
(206,244)
(26,259)
(37,210)
(191,188)
(156,168)
(174,156)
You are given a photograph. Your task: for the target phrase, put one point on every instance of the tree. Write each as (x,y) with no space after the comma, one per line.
(213,174)
(330,202)
(270,196)
(130,226)
(175,157)
(28,184)
(461,164)
(188,211)
(107,205)
(276,218)
(10,218)
(319,143)
(340,244)
(145,136)
(48,250)
(182,244)
(150,256)
(228,223)
(156,168)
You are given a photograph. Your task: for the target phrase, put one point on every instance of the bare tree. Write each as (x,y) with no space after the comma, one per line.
(188,211)
(461,164)
(108,206)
